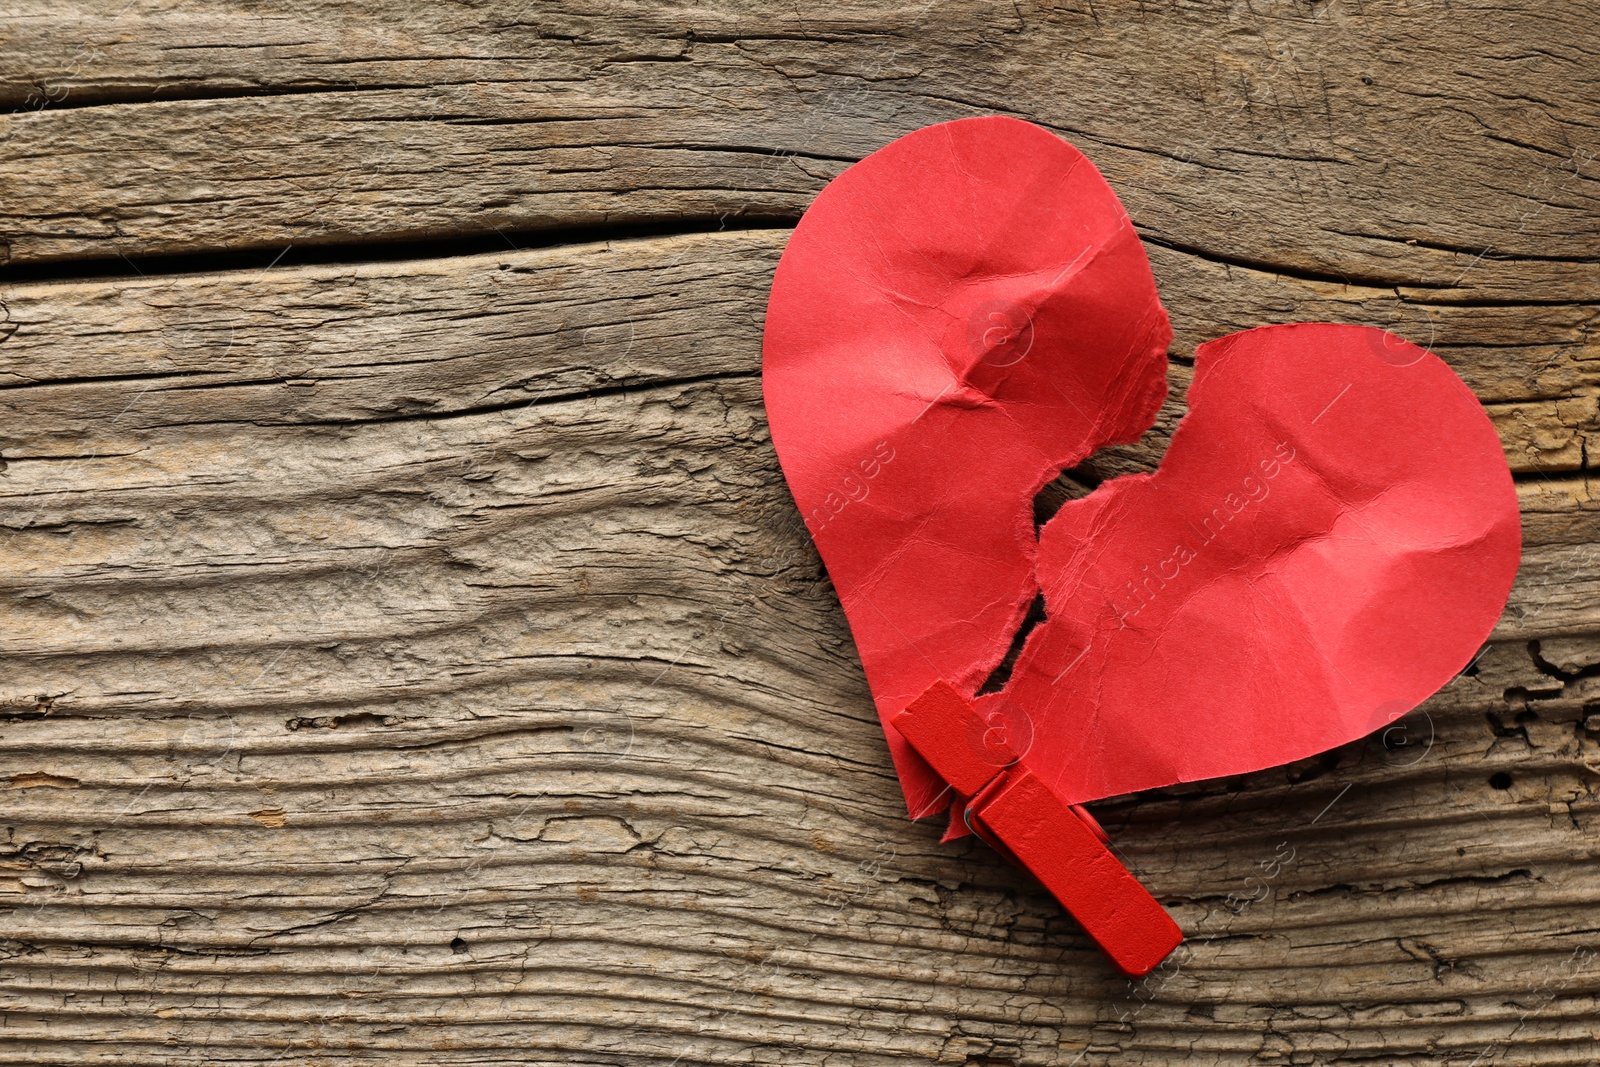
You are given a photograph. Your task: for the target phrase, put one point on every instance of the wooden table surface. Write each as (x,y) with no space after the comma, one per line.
(409,649)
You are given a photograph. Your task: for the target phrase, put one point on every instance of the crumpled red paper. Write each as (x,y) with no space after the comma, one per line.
(967,312)
(957,318)
(1330,537)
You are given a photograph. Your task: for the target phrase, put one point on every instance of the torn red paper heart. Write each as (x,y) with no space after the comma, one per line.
(1330,537)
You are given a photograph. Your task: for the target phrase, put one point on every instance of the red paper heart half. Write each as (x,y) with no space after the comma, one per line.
(967,312)
(957,318)
(1329,539)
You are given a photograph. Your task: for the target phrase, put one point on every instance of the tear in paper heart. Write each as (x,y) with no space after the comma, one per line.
(967,312)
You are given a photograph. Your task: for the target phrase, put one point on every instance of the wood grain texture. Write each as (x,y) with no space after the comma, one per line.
(411,653)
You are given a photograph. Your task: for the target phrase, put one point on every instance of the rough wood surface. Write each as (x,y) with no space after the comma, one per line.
(411,653)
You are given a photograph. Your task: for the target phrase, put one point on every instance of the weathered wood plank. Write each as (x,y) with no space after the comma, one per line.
(423,662)
(1447,148)
(461,334)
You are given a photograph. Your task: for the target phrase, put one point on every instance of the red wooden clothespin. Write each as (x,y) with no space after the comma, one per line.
(1058,843)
